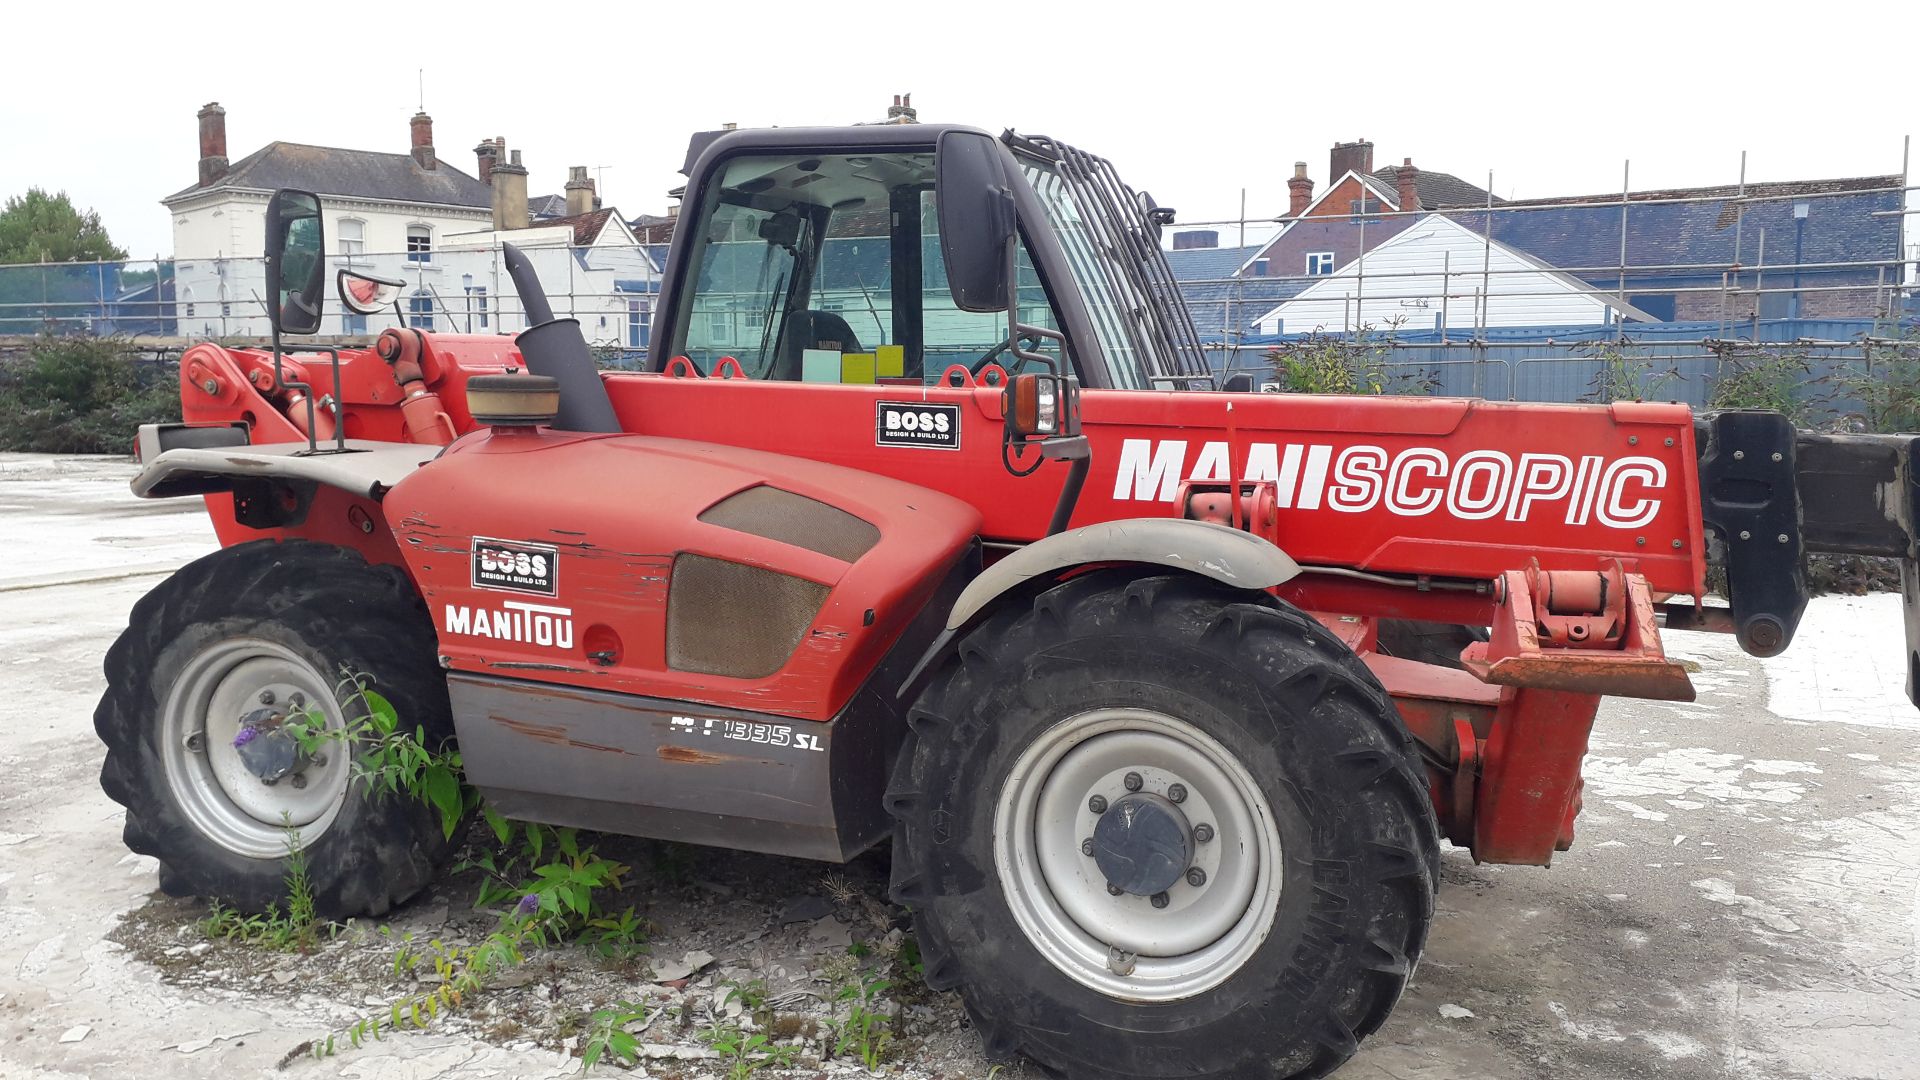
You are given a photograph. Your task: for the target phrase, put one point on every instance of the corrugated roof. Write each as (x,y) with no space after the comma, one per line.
(354,174)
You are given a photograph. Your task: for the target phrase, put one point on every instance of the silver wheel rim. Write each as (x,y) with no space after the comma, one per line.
(200,717)
(1122,946)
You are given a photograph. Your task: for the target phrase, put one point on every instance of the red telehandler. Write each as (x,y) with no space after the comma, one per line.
(930,526)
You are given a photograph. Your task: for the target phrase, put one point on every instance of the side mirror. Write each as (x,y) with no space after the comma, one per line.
(367,294)
(296,261)
(976,219)
(1240,382)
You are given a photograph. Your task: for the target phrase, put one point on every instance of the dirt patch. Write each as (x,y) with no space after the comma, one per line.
(793,934)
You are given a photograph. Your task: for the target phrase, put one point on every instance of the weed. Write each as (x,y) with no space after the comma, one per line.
(297,930)
(389,759)
(1341,364)
(1887,384)
(747,1052)
(865,1032)
(1621,375)
(607,1035)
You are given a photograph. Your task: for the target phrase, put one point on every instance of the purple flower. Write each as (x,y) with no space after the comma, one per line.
(246,735)
(528,904)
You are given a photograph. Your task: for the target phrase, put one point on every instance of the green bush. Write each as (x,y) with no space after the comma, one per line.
(82,395)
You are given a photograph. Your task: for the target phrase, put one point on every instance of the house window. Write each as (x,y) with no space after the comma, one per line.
(480,305)
(353,238)
(720,328)
(420,310)
(1260,267)
(1360,209)
(419,244)
(353,324)
(1319,263)
(637,324)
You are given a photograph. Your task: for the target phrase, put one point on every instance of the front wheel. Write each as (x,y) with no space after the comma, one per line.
(198,689)
(1151,827)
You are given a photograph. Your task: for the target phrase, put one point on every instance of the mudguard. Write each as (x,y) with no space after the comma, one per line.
(1229,556)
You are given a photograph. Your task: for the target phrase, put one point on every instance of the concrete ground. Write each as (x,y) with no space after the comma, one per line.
(1743,899)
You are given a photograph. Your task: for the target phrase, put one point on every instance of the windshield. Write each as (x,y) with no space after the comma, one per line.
(1136,309)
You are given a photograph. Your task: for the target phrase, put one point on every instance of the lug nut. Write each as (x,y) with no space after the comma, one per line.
(1177,792)
(319,761)
(1114,890)
(299,781)
(269,781)
(196,742)
(1086,846)
(1196,877)
(1133,781)
(296,700)
(1097,804)
(266,697)
(1160,900)
(1203,832)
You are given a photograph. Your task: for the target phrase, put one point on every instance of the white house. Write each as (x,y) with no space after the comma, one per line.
(1438,273)
(386,211)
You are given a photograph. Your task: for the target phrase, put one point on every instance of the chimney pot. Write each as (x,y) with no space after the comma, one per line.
(509,192)
(213,143)
(1354,157)
(488,154)
(1404,178)
(422,126)
(579,191)
(1299,190)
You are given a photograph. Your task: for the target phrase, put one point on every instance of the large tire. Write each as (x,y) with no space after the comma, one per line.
(225,628)
(1310,734)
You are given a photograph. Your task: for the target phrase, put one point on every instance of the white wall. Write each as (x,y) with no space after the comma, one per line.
(1443,263)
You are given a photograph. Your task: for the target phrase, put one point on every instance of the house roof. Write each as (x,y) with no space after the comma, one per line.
(1384,192)
(1695,237)
(1204,264)
(547,206)
(355,174)
(586,227)
(654,228)
(1437,190)
(1424,228)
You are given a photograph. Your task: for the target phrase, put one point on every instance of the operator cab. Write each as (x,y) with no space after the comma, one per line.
(810,256)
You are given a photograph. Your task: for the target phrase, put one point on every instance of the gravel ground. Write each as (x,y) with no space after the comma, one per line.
(1742,901)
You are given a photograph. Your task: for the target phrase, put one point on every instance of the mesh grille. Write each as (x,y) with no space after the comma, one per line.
(727,618)
(795,519)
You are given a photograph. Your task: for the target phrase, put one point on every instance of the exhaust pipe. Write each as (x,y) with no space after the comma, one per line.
(557,349)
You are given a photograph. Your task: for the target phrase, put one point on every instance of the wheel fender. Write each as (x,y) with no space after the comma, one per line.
(1230,556)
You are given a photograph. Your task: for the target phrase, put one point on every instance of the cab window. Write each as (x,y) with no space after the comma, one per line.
(828,268)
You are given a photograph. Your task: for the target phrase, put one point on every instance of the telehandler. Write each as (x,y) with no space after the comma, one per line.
(929,525)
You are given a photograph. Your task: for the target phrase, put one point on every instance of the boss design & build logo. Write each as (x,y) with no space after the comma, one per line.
(1619,493)
(516,566)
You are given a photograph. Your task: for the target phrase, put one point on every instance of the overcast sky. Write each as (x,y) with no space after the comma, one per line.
(1192,101)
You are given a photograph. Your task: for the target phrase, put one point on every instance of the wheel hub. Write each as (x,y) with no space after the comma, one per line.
(265,747)
(1143,844)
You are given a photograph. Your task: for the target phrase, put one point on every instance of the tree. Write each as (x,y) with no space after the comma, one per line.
(38,227)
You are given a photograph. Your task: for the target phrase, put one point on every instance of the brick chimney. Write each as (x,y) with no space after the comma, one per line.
(579,191)
(1404,176)
(489,152)
(213,143)
(1299,190)
(902,110)
(510,194)
(423,141)
(1356,156)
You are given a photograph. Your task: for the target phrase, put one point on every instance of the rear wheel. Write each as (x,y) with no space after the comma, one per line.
(1150,827)
(212,661)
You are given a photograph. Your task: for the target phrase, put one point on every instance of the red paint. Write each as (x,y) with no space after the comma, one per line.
(1505,748)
